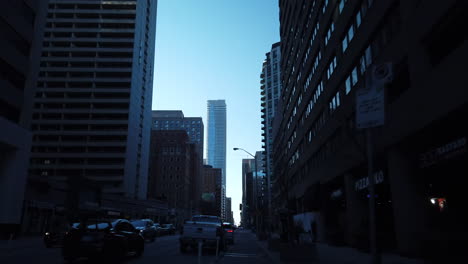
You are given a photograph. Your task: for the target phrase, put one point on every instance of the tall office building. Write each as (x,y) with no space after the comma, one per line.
(20,36)
(216,143)
(92,107)
(175,120)
(328,48)
(270,92)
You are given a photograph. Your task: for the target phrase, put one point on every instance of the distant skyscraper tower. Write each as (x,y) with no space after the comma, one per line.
(271,92)
(92,112)
(216,143)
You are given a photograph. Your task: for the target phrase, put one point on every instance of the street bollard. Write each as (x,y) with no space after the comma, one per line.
(200,246)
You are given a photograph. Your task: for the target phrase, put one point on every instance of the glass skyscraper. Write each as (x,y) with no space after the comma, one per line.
(216,143)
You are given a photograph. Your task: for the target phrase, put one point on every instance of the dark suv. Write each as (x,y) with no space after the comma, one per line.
(147,228)
(102,239)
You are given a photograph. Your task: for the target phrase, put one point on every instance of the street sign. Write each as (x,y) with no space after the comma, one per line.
(370,100)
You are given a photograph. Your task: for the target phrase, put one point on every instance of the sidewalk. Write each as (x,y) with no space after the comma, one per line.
(327,254)
(21,243)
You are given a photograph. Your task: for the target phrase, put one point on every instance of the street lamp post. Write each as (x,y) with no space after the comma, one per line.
(255,187)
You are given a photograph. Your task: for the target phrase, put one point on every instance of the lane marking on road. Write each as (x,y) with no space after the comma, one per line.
(240,255)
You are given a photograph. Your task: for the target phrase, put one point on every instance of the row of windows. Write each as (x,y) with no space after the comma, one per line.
(82,24)
(88,54)
(331,67)
(87,44)
(330,30)
(354,25)
(316,126)
(335,101)
(83,74)
(117,35)
(356,73)
(314,99)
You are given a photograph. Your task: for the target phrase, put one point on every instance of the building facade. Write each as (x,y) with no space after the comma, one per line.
(320,158)
(270,80)
(175,120)
(248,166)
(211,197)
(20,36)
(216,143)
(229,215)
(92,107)
(170,175)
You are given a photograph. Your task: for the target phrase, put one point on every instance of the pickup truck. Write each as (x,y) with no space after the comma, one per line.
(205,228)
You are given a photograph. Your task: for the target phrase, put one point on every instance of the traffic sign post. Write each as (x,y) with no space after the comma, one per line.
(370,113)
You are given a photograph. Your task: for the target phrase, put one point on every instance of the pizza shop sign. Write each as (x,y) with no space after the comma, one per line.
(363,183)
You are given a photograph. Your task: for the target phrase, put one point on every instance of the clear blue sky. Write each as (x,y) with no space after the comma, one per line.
(214,49)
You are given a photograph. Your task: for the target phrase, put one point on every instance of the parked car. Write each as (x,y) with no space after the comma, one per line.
(168,229)
(158,229)
(146,228)
(205,228)
(54,236)
(228,232)
(102,239)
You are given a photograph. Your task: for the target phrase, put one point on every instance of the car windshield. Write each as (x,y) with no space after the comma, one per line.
(139,223)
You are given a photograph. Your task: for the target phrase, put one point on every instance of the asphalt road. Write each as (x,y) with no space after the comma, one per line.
(164,250)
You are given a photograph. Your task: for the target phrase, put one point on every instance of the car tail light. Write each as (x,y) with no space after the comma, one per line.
(230,231)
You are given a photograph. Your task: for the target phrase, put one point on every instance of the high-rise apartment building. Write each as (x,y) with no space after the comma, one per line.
(175,120)
(216,143)
(92,107)
(328,48)
(20,35)
(270,92)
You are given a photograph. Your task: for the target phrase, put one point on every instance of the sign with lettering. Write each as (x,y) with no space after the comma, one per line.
(363,183)
(446,151)
(370,100)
